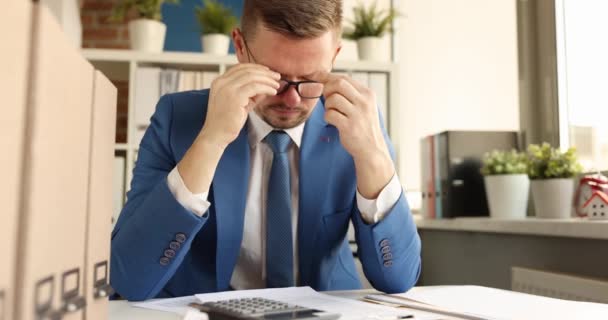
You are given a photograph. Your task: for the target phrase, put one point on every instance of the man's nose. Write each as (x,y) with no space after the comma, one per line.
(290,97)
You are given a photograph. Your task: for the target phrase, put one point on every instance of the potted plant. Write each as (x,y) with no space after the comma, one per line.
(507,183)
(552,172)
(369,25)
(216,22)
(147,32)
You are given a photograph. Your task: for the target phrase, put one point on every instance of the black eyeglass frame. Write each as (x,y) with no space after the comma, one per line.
(289,83)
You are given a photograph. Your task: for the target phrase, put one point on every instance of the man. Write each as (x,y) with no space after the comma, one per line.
(252,183)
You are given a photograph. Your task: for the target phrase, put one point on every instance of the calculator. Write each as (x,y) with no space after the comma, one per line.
(259,308)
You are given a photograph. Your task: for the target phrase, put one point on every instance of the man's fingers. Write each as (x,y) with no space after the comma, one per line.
(335,118)
(254,89)
(249,67)
(245,79)
(339,103)
(342,86)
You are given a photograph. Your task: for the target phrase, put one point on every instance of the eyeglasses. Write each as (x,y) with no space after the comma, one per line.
(306,89)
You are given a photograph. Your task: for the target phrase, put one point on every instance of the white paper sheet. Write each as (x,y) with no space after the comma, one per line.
(307,297)
(173,305)
(503,304)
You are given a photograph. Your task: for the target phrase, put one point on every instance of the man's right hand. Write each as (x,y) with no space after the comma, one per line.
(233,95)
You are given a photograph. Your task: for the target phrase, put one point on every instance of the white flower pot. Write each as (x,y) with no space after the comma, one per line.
(372,48)
(349,51)
(147,35)
(553,198)
(216,44)
(508,195)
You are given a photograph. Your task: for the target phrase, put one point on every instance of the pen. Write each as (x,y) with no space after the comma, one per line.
(423,307)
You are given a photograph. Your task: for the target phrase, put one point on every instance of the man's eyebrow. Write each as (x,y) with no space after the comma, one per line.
(305,76)
(315,74)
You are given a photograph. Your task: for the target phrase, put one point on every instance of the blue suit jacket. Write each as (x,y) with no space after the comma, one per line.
(152,220)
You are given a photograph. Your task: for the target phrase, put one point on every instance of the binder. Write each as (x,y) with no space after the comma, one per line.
(431,181)
(100,207)
(437,176)
(52,217)
(428,176)
(15,32)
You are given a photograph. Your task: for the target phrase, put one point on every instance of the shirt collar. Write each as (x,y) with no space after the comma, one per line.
(259,129)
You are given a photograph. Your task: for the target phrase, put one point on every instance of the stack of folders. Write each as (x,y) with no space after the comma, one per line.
(151,83)
(452,184)
(57,194)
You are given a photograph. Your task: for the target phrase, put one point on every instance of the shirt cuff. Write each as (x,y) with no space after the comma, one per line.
(372,211)
(197,203)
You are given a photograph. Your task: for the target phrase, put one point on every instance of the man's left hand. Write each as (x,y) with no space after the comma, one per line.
(351,108)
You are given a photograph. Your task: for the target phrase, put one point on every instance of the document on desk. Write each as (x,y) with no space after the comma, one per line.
(303,296)
(496,304)
(173,305)
(307,297)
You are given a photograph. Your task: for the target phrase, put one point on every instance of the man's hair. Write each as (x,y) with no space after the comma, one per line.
(302,19)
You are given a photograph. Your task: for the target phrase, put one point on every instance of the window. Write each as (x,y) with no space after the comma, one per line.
(582,57)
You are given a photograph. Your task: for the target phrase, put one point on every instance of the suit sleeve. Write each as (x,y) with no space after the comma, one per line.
(389,250)
(154,231)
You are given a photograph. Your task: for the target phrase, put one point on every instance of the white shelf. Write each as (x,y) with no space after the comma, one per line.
(190,59)
(122,147)
(572,228)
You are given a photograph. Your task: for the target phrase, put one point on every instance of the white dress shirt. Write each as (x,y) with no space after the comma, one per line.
(250,269)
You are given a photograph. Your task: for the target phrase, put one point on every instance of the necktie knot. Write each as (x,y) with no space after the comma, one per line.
(279,141)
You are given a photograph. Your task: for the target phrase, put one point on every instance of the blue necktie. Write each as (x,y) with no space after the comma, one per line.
(279,247)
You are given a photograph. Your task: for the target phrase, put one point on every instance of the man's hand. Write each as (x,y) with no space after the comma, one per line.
(351,108)
(231,98)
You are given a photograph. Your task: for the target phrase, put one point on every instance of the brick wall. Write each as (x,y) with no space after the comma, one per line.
(98,32)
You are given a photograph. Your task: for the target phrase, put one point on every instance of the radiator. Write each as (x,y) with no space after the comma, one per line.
(558,285)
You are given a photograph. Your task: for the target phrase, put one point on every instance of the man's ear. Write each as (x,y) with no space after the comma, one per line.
(239,45)
(333,60)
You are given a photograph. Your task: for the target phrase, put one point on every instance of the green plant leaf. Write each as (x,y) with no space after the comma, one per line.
(546,162)
(369,22)
(148,9)
(214,17)
(504,162)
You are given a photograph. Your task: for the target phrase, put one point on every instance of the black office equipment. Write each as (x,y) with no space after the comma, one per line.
(451,184)
(258,309)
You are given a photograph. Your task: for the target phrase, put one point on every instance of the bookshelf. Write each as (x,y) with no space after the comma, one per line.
(121,65)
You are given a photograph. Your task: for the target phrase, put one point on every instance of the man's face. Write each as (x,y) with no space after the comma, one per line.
(295,60)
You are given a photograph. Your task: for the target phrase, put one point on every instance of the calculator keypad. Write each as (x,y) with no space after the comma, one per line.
(253,307)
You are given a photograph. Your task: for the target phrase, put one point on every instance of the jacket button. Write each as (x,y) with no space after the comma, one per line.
(175,245)
(388,263)
(387,256)
(164,261)
(169,253)
(386,249)
(180,237)
(384,243)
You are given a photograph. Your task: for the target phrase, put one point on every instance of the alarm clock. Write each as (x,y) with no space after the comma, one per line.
(586,187)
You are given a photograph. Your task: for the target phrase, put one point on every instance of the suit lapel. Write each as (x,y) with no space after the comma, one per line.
(316,160)
(229,191)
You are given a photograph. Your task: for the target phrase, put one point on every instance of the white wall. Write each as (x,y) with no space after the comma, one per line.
(458,69)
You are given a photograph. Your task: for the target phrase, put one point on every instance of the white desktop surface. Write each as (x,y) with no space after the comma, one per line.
(122,310)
